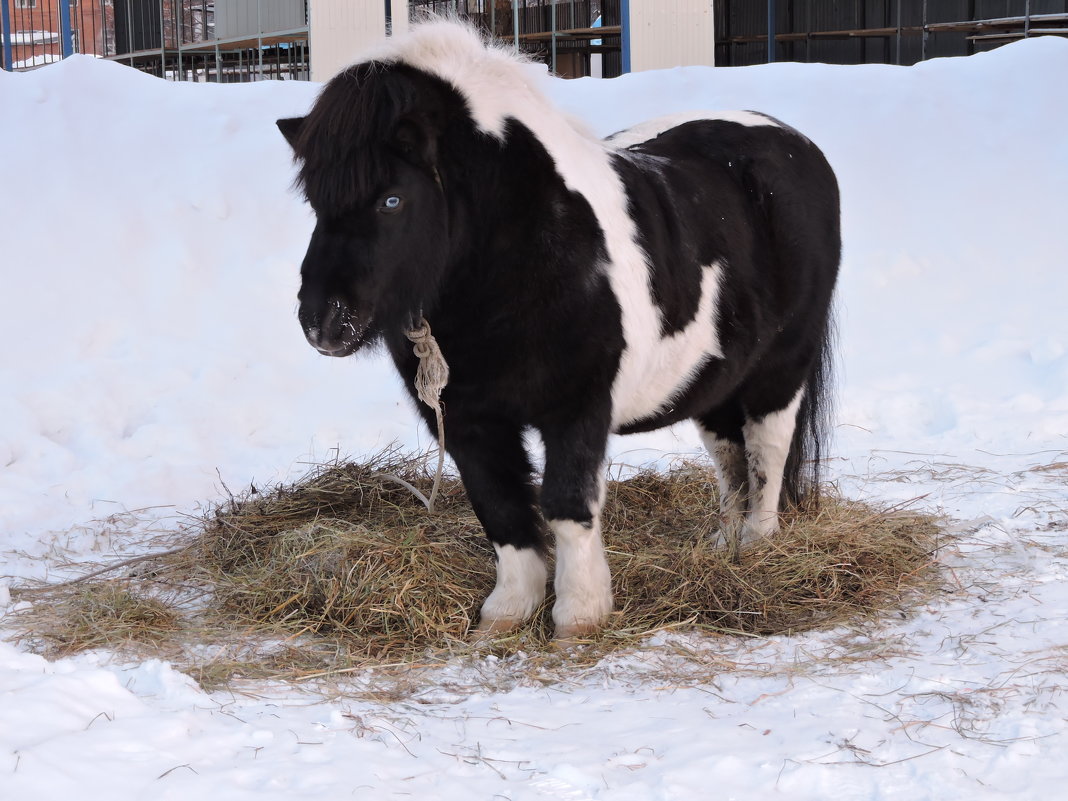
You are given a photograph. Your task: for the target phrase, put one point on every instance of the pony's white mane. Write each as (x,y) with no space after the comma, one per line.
(496,83)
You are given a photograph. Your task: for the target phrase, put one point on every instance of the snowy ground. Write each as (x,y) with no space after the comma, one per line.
(148,254)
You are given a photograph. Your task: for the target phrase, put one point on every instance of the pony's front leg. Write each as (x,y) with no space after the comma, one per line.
(496,473)
(572,497)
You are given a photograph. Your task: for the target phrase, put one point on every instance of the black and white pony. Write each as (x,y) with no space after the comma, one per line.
(681,269)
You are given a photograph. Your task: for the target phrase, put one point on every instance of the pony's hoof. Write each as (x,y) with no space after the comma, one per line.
(495,627)
(573,633)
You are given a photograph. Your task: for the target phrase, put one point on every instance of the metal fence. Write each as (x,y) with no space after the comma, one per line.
(37,32)
(876,31)
(243,40)
(574,37)
(217,40)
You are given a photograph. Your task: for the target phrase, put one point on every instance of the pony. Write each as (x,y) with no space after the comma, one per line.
(577,286)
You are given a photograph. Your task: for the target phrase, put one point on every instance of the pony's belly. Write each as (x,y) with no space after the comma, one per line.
(654,370)
(653,404)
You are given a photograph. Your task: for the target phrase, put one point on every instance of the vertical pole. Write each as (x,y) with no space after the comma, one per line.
(5,33)
(179,36)
(771,31)
(259,42)
(923,39)
(66,43)
(104,45)
(515,23)
(1027,19)
(625,39)
(808,29)
(971,18)
(862,17)
(162,43)
(897,58)
(553,16)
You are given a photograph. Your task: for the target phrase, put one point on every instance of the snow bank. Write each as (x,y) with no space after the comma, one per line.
(149,245)
(151,242)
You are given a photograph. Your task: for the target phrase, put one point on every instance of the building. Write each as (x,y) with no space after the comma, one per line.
(877,31)
(240,40)
(246,40)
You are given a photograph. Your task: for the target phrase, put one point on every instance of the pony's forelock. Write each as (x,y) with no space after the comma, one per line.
(497,83)
(357,109)
(340,144)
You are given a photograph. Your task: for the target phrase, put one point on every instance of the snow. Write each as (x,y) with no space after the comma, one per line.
(150,243)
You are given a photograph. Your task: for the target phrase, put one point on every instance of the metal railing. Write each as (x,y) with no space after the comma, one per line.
(218,40)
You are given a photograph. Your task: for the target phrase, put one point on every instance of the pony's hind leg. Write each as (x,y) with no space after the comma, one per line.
(767,447)
(721,433)
(496,473)
(732,481)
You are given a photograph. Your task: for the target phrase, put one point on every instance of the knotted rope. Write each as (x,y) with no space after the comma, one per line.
(430,378)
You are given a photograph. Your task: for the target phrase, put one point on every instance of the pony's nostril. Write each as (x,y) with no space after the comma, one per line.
(333,316)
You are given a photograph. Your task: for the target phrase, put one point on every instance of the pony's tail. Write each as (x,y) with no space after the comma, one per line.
(804,465)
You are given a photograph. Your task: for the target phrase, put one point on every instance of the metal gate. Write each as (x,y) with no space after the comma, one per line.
(216,40)
(38,32)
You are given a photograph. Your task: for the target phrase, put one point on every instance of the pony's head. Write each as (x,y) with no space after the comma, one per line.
(395,158)
(368,165)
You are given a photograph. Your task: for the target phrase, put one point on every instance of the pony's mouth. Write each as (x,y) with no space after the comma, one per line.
(337,337)
(344,349)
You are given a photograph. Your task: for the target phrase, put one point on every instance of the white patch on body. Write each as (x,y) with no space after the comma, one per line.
(520,589)
(767,444)
(655,369)
(650,129)
(583,581)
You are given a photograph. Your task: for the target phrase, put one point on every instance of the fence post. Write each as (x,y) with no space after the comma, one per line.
(66,34)
(515,23)
(771,31)
(5,33)
(625,37)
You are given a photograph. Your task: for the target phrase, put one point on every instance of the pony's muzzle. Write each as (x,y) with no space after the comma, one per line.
(332,332)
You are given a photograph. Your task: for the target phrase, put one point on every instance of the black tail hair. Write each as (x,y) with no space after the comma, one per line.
(804,465)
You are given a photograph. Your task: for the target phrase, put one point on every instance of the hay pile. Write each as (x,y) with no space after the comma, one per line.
(350,558)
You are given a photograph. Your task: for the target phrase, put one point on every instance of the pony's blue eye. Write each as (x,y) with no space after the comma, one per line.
(391,203)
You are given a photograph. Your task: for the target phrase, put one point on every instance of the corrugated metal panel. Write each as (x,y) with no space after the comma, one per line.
(251,17)
(671,33)
(742,24)
(137,25)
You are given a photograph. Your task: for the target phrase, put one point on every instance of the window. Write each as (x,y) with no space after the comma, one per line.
(25,3)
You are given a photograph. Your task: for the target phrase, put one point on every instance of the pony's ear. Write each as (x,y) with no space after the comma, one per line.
(416,140)
(290,128)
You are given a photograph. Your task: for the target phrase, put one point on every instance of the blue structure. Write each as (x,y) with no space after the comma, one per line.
(66,34)
(5,33)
